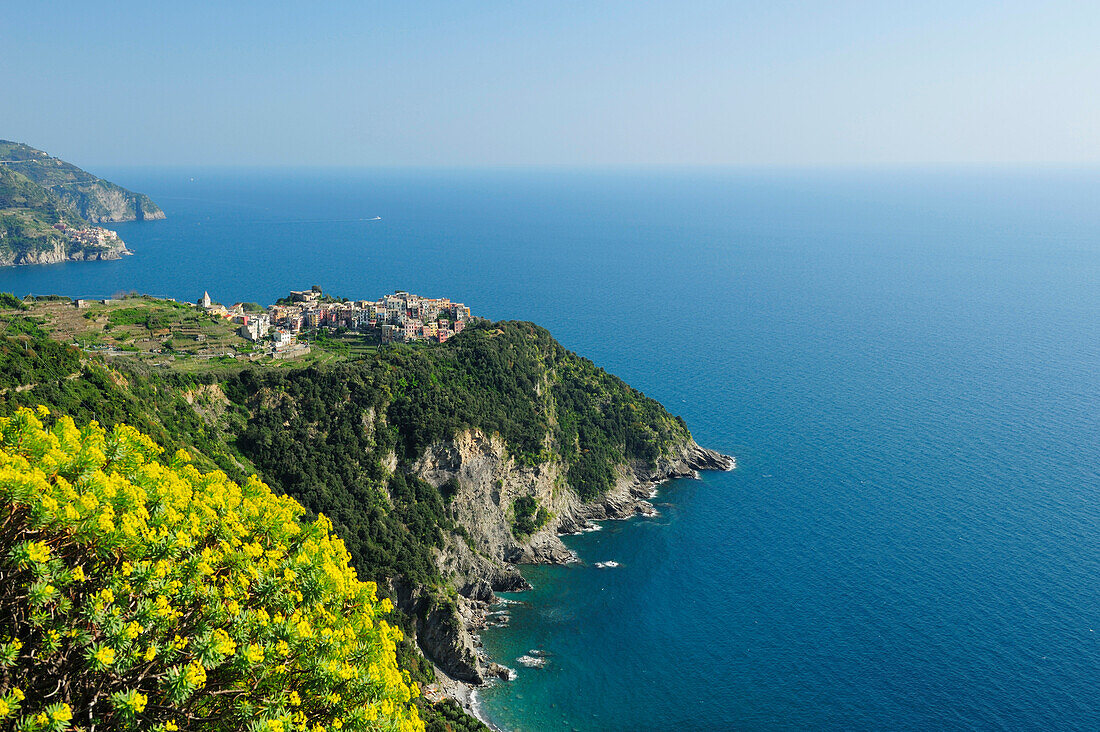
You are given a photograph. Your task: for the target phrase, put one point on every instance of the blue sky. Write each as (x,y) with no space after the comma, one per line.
(774,82)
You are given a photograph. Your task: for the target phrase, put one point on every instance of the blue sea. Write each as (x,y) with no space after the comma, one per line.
(906,364)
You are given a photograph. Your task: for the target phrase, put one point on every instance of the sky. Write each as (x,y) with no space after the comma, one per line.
(553,83)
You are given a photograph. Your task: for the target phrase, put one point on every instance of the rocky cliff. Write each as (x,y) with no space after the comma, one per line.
(65,245)
(489,484)
(102,202)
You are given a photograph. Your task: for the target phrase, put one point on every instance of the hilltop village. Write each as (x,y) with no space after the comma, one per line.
(401,317)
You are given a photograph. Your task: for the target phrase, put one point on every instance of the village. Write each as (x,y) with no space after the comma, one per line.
(398,318)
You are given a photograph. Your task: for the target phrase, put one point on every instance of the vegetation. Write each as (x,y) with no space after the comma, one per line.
(81,194)
(11,302)
(341,439)
(142,594)
(324,435)
(447,716)
(528,516)
(28,213)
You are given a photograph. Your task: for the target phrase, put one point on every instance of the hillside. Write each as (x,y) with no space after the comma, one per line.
(441,466)
(93,199)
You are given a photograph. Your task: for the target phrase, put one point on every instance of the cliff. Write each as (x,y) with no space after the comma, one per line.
(489,483)
(53,245)
(93,199)
(467,459)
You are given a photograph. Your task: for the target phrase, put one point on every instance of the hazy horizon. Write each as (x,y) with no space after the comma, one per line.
(600,85)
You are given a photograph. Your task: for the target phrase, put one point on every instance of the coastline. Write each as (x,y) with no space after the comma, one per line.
(464,694)
(628,499)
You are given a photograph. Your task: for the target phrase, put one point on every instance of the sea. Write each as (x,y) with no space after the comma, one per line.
(905,363)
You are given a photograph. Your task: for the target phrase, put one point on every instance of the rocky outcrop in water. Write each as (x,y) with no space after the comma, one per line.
(489,484)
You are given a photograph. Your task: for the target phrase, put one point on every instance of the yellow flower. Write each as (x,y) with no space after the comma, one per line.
(195,674)
(204,521)
(223,643)
(18,694)
(38,552)
(254,653)
(42,410)
(105,524)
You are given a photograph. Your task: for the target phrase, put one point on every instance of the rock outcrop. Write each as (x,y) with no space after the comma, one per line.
(102,202)
(67,245)
(489,482)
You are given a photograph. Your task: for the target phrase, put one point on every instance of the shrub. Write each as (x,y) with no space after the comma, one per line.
(528,516)
(140,593)
(10,301)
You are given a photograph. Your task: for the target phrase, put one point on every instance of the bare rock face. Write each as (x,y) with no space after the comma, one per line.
(101,203)
(443,637)
(489,481)
(70,245)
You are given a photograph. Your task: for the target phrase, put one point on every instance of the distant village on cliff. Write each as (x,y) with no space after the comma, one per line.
(401,317)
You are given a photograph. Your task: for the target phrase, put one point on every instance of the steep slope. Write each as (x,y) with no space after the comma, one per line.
(452,463)
(91,198)
(38,227)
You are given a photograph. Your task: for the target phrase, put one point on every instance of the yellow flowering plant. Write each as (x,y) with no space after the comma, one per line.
(141,593)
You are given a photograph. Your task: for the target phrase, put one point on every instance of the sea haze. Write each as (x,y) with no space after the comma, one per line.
(905,364)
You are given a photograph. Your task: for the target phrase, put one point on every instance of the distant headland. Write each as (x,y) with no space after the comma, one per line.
(48,209)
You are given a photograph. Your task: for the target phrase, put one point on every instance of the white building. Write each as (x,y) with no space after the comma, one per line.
(255,327)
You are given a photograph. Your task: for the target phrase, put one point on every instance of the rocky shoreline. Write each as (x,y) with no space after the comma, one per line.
(489,481)
(70,245)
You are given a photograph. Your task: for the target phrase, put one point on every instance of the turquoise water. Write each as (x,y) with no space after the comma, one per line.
(904,363)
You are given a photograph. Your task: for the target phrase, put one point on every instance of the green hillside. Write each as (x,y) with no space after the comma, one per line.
(91,198)
(28,214)
(345,438)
